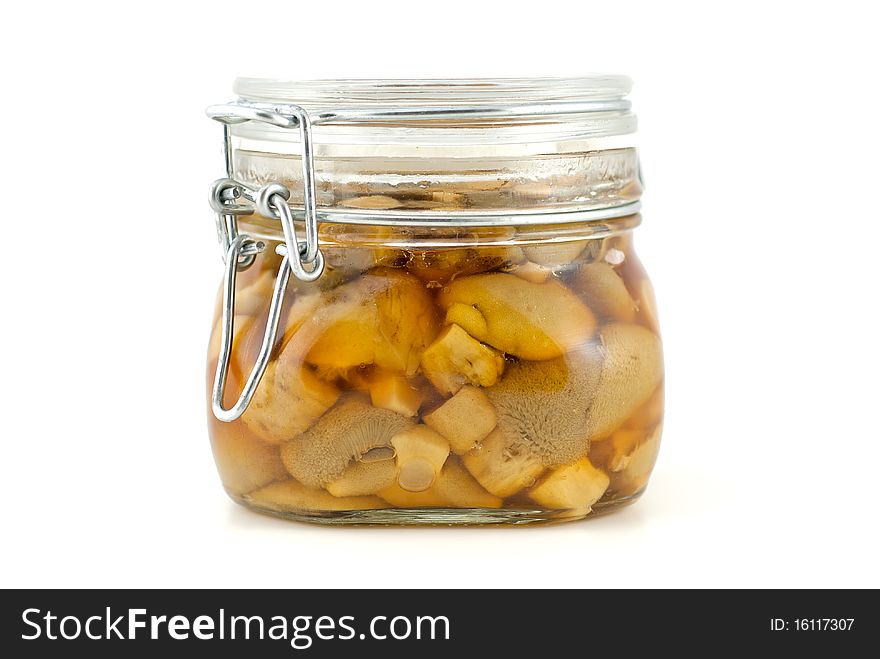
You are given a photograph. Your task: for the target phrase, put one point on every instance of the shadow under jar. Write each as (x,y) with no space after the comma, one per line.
(473,342)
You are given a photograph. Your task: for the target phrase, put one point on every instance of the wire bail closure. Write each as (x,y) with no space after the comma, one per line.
(271,199)
(303,259)
(227,328)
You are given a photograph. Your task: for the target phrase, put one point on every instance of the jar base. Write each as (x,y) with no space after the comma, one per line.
(442,516)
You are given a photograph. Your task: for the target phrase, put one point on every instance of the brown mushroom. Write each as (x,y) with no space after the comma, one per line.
(353,427)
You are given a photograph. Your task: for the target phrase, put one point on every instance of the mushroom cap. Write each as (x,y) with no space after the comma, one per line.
(364,478)
(632,368)
(289,398)
(446,264)
(321,454)
(519,317)
(543,405)
(605,292)
(384,317)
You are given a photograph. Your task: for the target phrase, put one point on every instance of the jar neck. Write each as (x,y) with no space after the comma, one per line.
(558,182)
(446,236)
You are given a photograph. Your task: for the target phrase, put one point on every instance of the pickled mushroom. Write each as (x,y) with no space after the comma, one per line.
(482,375)
(553,255)
(290,496)
(253,297)
(245,461)
(503,467)
(395,393)
(363,478)
(605,292)
(287,401)
(447,264)
(456,359)
(465,419)
(634,477)
(632,367)
(421,453)
(519,317)
(533,272)
(454,487)
(575,487)
(241,326)
(613,452)
(543,406)
(383,317)
(345,433)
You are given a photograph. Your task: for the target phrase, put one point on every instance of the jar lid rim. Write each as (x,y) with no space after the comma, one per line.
(343,94)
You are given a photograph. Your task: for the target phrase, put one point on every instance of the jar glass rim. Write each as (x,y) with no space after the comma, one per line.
(345,94)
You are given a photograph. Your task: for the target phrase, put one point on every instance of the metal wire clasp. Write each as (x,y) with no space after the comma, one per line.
(240,245)
(304,258)
(270,200)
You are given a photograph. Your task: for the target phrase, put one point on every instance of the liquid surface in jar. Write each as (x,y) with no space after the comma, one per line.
(490,376)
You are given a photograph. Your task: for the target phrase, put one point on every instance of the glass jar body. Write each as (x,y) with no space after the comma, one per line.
(447,375)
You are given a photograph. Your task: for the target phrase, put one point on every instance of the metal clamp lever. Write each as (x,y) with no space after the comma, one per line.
(243,245)
(224,194)
(240,245)
(271,200)
(304,259)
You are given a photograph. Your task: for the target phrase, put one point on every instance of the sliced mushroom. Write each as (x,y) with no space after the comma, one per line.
(503,467)
(575,487)
(345,433)
(456,359)
(396,393)
(465,419)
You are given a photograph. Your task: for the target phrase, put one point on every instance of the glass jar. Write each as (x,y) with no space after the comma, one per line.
(432,310)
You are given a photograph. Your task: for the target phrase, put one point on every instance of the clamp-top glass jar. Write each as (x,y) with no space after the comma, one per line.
(468,335)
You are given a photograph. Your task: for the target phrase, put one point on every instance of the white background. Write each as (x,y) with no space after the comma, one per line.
(759,137)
